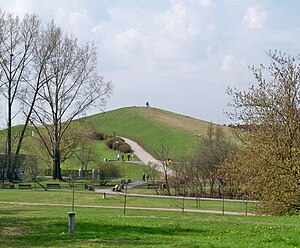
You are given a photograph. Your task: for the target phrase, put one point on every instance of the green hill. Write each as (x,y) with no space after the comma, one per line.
(151,127)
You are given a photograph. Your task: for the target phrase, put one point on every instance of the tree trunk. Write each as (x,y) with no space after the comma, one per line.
(56,173)
(9,125)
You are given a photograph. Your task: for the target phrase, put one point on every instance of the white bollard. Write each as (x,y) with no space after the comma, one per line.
(71,223)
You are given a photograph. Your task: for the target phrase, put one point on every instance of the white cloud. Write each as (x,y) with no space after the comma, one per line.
(255,18)
(20,7)
(205,3)
(227,63)
(77,22)
(97,28)
(130,39)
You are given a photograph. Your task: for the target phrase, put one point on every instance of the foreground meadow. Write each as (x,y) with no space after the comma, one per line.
(47,226)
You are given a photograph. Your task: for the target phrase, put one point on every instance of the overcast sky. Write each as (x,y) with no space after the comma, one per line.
(180,55)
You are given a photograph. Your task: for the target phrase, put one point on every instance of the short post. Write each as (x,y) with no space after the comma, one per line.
(104,195)
(71,223)
(93,175)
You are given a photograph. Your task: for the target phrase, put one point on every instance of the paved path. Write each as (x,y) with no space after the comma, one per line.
(110,192)
(139,151)
(118,207)
(144,156)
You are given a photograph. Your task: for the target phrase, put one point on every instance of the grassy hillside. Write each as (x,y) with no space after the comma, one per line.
(151,127)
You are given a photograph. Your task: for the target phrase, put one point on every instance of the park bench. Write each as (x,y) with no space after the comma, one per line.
(89,186)
(53,186)
(24,186)
(152,186)
(7,185)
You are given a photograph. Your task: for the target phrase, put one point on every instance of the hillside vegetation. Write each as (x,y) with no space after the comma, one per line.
(151,127)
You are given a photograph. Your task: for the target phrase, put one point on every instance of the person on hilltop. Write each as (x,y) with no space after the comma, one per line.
(147,104)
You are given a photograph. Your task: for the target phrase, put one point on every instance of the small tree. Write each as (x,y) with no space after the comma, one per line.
(163,153)
(85,147)
(215,149)
(152,170)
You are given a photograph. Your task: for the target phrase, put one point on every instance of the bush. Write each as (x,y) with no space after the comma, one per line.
(97,136)
(112,142)
(124,147)
(108,172)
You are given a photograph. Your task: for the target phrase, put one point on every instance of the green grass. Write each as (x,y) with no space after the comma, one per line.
(47,226)
(92,198)
(152,127)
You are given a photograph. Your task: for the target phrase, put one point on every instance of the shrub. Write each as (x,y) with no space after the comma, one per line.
(112,142)
(97,136)
(124,147)
(108,172)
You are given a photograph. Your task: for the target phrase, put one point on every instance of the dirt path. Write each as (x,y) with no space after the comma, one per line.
(118,207)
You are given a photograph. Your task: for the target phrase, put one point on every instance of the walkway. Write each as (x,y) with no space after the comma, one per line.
(144,156)
(118,207)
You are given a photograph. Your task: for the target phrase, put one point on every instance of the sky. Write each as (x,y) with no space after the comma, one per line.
(179,55)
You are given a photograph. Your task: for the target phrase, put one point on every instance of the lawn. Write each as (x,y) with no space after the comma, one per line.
(83,197)
(47,226)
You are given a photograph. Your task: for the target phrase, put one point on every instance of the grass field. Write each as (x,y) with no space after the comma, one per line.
(47,226)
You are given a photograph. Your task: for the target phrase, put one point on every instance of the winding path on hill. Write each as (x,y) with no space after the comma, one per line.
(143,155)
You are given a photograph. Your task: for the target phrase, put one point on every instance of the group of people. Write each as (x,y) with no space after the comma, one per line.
(129,156)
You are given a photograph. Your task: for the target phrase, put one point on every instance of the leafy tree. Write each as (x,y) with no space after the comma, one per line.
(268,166)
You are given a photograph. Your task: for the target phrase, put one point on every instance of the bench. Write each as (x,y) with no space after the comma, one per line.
(7,185)
(53,186)
(89,186)
(24,186)
(152,186)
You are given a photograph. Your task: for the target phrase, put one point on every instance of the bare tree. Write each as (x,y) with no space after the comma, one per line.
(163,153)
(152,170)
(73,87)
(85,147)
(17,41)
(215,149)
